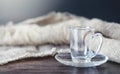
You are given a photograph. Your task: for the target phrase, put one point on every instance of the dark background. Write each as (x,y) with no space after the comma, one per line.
(19,10)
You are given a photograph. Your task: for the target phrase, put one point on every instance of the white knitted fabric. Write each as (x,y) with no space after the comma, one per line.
(49,34)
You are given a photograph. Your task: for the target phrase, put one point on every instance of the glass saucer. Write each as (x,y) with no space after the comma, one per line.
(65,58)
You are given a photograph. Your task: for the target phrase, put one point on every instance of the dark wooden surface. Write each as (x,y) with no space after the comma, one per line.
(49,65)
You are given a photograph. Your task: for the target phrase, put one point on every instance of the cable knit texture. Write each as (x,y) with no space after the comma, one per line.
(49,34)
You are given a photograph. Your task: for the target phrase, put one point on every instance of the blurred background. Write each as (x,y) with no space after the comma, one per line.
(19,10)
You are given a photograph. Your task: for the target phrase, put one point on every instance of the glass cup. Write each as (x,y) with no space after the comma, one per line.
(81,43)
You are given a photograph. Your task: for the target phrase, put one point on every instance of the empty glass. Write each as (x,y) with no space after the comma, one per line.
(81,43)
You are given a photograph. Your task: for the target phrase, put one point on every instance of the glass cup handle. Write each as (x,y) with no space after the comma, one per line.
(100,44)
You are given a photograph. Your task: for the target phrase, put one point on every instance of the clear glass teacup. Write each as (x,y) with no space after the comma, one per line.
(80,44)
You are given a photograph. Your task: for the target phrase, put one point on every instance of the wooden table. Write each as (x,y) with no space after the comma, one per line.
(49,65)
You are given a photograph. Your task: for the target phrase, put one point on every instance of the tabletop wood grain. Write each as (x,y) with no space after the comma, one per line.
(48,65)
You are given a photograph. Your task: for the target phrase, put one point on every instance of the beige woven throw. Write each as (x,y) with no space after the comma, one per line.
(49,34)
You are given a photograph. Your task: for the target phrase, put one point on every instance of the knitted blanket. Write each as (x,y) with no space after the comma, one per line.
(49,34)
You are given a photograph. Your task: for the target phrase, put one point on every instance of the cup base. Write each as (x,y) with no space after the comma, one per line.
(81,60)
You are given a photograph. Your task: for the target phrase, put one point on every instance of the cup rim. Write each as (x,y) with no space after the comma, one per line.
(81,28)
